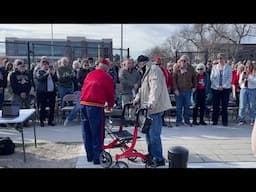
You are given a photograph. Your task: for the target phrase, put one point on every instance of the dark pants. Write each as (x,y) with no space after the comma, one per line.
(200,103)
(1,101)
(93,131)
(237,98)
(46,99)
(220,98)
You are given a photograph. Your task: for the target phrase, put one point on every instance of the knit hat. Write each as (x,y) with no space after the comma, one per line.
(157,60)
(104,61)
(142,58)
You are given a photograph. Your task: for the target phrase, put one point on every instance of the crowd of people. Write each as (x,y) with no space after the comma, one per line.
(142,82)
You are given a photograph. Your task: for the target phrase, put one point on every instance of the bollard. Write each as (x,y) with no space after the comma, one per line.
(178,157)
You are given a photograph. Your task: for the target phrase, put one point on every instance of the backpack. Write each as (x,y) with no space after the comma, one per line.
(7,146)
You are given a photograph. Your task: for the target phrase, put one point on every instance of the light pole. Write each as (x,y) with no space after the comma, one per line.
(52,50)
(121,42)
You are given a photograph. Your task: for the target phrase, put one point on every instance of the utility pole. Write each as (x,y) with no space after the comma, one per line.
(52,49)
(121,42)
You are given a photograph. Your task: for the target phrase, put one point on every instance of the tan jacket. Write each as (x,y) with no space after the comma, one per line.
(153,90)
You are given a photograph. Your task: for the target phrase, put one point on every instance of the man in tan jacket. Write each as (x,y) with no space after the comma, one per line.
(153,93)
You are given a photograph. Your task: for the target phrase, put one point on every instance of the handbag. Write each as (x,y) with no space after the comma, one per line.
(145,122)
(146,125)
(7,146)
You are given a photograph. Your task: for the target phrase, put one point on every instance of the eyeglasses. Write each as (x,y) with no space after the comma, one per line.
(200,69)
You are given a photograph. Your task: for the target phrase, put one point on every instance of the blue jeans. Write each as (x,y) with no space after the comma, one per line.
(77,108)
(153,138)
(247,96)
(93,131)
(183,102)
(64,91)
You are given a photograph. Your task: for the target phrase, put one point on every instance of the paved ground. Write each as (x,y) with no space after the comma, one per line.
(209,146)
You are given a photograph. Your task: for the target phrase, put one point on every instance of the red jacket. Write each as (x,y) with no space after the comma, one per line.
(98,88)
(168,77)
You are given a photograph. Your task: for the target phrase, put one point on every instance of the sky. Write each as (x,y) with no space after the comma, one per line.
(137,37)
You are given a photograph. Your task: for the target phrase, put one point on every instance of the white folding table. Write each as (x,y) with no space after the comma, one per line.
(23,116)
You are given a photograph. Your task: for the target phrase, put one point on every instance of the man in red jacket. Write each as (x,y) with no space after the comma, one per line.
(98,89)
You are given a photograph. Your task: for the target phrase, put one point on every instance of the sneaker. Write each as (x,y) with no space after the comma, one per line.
(66,122)
(241,123)
(51,124)
(160,163)
(202,123)
(188,124)
(195,123)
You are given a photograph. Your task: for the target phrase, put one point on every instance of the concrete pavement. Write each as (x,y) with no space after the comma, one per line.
(209,146)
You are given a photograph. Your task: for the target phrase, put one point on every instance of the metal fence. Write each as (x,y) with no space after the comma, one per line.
(31,52)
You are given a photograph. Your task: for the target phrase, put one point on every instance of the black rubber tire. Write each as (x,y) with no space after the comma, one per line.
(105,159)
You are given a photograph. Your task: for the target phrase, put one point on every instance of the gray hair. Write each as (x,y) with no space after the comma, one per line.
(103,66)
(201,66)
(185,57)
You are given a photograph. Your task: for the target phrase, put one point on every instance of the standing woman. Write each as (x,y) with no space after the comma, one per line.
(221,77)
(235,82)
(248,93)
(203,86)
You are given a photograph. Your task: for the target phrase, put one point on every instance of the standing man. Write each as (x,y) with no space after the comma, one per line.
(129,81)
(21,82)
(154,93)
(46,91)
(3,82)
(184,83)
(98,89)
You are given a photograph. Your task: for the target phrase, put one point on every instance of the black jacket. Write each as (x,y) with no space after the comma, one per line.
(41,77)
(21,82)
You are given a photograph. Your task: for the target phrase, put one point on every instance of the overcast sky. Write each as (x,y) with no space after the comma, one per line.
(137,37)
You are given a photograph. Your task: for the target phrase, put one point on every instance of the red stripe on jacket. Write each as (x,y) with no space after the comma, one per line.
(98,88)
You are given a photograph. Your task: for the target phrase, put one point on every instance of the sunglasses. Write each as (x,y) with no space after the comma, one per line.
(200,69)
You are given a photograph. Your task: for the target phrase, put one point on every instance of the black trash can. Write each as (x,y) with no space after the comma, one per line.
(178,157)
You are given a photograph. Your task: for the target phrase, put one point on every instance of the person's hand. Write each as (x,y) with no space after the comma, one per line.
(108,108)
(136,86)
(177,93)
(220,88)
(149,106)
(134,102)
(193,90)
(23,95)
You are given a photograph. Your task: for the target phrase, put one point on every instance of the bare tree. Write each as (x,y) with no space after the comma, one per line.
(160,51)
(232,33)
